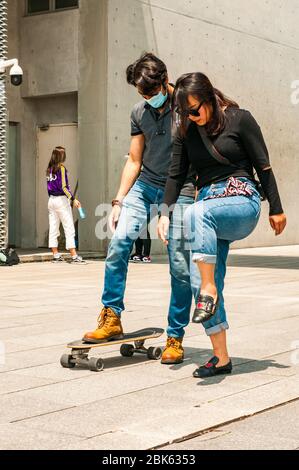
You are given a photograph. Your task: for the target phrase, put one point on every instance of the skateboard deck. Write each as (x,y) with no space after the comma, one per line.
(81,348)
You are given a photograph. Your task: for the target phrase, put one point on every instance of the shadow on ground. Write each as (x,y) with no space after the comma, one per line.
(198,357)
(252,261)
(241,365)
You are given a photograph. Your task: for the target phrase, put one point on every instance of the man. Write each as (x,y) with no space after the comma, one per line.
(142,187)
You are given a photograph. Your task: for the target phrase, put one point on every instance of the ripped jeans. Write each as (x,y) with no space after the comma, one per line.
(211,224)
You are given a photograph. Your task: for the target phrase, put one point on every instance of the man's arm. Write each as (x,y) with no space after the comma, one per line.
(129,175)
(133,166)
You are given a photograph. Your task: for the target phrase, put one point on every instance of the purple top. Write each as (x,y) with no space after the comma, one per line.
(58,184)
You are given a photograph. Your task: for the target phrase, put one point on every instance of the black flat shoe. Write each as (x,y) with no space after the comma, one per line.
(210,369)
(205,308)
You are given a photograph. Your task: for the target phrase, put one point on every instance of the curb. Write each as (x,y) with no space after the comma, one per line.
(42,257)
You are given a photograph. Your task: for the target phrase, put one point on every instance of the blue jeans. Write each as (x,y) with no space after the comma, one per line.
(136,210)
(185,277)
(211,225)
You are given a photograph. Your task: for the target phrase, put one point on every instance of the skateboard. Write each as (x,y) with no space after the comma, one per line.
(80,349)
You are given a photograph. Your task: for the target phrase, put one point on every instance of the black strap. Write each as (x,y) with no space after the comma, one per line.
(212,149)
(225,161)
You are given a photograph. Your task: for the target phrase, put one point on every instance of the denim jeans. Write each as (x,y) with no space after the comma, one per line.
(185,277)
(134,215)
(211,225)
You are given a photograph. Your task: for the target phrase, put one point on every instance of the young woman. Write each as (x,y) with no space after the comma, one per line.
(228,203)
(60,198)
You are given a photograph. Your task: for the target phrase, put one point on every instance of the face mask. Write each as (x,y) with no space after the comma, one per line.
(158,100)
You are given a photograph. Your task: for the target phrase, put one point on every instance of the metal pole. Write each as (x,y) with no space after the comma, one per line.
(3,129)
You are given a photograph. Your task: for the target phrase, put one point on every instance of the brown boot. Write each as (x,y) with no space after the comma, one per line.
(109,327)
(173,352)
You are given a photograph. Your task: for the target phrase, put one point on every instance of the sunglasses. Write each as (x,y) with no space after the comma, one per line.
(189,112)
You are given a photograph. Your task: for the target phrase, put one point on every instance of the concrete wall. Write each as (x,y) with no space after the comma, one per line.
(248,49)
(46,46)
(49,51)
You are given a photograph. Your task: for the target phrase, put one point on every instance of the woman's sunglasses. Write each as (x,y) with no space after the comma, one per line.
(189,112)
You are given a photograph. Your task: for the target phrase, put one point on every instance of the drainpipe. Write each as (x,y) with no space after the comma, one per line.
(3,129)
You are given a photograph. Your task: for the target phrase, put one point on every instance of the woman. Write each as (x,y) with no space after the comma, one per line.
(213,129)
(59,206)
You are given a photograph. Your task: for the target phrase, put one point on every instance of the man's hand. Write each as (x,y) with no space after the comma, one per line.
(278,223)
(163,227)
(113,217)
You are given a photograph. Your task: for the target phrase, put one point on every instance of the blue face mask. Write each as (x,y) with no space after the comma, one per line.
(158,100)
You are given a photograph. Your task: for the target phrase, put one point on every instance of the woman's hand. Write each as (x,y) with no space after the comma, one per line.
(278,223)
(113,217)
(77,203)
(163,227)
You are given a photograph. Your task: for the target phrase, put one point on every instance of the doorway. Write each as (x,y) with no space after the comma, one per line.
(48,138)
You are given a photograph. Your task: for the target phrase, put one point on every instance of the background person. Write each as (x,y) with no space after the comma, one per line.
(142,248)
(59,206)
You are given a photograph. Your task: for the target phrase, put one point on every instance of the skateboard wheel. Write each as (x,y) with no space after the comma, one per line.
(96,364)
(127,350)
(154,353)
(66,361)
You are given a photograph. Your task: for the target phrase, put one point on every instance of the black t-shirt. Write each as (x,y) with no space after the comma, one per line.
(157,130)
(241,142)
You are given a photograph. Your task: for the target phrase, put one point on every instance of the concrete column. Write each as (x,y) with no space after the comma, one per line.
(92,111)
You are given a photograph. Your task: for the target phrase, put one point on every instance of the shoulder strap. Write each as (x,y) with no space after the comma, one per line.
(211,148)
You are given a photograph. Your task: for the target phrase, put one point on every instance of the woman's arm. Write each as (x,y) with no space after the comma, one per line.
(177,174)
(176,177)
(65,185)
(254,144)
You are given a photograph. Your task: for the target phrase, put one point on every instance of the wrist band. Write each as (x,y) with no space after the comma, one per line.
(115,202)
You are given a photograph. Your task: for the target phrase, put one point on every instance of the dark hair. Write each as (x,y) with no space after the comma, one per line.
(148,73)
(198,85)
(58,156)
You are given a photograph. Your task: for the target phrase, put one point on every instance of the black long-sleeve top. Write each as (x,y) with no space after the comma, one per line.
(241,142)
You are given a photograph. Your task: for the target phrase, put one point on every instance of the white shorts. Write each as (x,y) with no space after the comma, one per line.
(60,211)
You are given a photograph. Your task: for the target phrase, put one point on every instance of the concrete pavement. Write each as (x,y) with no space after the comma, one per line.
(135,403)
(275,429)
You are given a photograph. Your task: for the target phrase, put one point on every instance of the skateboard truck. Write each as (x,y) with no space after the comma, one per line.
(80,350)
(127,350)
(79,356)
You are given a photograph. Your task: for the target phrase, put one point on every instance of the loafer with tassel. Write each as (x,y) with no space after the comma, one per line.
(210,369)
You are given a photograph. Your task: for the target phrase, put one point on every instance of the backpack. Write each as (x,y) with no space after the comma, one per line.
(9,257)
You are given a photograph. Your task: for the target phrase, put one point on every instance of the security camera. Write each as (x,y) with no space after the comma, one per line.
(16,75)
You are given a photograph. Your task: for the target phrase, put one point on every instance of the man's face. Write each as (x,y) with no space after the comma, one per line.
(155,92)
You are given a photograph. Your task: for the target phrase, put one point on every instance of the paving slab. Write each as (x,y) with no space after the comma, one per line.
(277,429)
(15,436)
(11,382)
(17,408)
